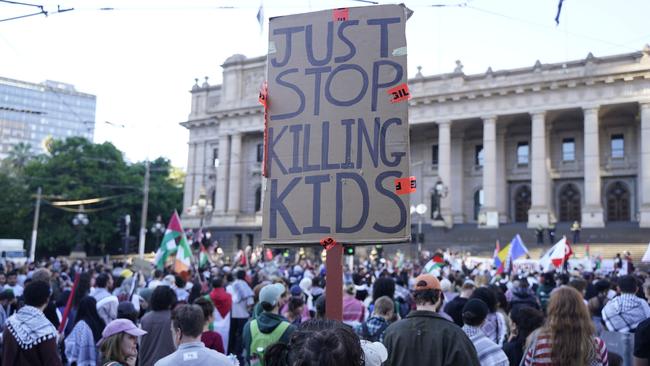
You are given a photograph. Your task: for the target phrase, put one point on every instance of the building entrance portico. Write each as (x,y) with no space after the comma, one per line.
(540,145)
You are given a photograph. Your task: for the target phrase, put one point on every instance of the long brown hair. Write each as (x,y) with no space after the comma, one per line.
(570,328)
(111,348)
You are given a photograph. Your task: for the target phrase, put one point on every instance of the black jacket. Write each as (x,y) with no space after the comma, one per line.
(425,338)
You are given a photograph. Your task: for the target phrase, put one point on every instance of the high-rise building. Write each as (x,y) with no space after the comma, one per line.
(31,113)
(510,151)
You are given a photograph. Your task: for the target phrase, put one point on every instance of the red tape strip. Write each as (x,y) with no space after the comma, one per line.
(399,93)
(328,243)
(341,15)
(405,185)
(264,100)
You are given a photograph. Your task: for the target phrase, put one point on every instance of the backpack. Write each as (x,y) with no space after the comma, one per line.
(365,332)
(260,341)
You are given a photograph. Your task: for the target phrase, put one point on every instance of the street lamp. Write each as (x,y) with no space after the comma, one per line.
(202,208)
(158,228)
(420,210)
(440,192)
(79,221)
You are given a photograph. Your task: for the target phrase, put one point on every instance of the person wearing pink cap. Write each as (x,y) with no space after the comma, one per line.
(119,343)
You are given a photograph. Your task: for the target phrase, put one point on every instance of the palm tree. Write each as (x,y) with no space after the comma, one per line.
(19,156)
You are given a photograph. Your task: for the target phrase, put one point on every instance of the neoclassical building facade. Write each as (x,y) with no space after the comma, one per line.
(538,145)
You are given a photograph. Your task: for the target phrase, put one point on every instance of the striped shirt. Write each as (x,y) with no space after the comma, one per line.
(489,354)
(539,354)
(624,313)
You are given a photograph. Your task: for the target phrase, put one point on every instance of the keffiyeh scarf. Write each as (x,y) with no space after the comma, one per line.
(30,327)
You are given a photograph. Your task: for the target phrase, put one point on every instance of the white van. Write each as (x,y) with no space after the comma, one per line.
(13,250)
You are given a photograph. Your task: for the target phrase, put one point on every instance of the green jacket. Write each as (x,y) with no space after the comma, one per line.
(426,338)
(266,322)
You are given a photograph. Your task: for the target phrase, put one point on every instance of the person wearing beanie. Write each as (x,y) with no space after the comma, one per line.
(426,338)
(268,327)
(454,308)
(489,353)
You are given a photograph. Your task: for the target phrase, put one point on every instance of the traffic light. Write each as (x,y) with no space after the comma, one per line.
(133,244)
(349,250)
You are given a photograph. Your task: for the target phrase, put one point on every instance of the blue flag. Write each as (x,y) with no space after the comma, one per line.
(517,248)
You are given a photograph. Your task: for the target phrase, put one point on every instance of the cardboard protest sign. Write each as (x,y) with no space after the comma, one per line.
(337,136)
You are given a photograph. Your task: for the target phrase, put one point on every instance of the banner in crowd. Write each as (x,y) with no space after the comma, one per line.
(337,135)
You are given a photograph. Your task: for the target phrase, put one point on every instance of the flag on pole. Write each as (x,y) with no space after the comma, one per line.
(646,256)
(518,249)
(260,17)
(511,252)
(204,258)
(183,256)
(170,240)
(435,264)
(495,257)
(561,252)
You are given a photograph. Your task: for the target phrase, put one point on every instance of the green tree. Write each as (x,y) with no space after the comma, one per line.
(16,207)
(18,157)
(77,169)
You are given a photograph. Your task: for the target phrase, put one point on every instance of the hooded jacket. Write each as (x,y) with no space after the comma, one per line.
(267,322)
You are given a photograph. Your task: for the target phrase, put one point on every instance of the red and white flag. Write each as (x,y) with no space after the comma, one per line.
(561,252)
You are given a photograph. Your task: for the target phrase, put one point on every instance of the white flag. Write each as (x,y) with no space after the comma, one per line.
(646,256)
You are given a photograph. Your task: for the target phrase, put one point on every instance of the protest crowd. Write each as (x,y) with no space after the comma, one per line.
(264,308)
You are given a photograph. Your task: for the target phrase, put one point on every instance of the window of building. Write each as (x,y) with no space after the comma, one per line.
(618,146)
(215,157)
(478,155)
(260,153)
(568,149)
(434,155)
(478,202)
(258,199)
(522,153)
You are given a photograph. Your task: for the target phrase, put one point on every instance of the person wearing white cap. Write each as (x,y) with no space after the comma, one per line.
(119,343)
(375,353)
(268,327)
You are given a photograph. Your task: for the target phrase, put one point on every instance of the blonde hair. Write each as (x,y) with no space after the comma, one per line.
(111,348)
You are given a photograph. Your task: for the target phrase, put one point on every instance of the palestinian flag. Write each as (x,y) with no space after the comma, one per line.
(204,258)
(173,235)
(435,264)
(183,255)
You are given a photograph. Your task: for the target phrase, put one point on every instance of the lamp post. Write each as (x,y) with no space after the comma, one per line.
(420,210)
(157,229)
(440,192)
(201,208)
(79,221)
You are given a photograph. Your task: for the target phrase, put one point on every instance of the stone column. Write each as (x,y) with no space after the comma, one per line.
(502,182)
(539,213)
(456,186)
(234,185)
(190,178)
(644,164)
(489,210)
(199,169)
(444,168)
(592,213)
(222,175)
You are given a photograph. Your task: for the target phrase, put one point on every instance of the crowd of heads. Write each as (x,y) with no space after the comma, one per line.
(566,305)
